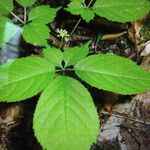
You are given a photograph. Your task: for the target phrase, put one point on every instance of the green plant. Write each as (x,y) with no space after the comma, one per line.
(114,10)
(65,116)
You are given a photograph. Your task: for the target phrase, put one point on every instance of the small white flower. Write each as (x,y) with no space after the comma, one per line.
(63,34)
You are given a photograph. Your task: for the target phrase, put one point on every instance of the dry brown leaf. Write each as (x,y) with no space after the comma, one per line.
(10,115)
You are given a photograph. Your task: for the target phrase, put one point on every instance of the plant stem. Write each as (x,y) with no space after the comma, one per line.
(89,3)
(78,22)
(69,69)
(25,15)
(61,43)
(75,27)
(17,18)
(63,69)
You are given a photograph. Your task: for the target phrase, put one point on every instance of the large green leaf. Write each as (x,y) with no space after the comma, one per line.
(43,14)
(6,6)
(77,8)
(113,73)
(73,54)
(65,117)
(24,78)
(122,10)
(7,30)
(36,33)
(53,55)
(26,3)
(4,75)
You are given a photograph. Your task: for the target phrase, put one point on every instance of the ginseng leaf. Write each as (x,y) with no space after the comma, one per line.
(6,6)
(73,54)
(43,14)
(53,55)
(36,33)
(113,73)
(77,8)
(122,10)
(65,116)
(26,3)
(24,78)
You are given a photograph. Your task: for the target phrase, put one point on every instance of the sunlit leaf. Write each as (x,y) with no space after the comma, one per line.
(53,55)
(65,116)
(77,8)
(113,73)
(36,33)
(122,10)
(43,14)
(24,78)
(6,6)
(73,54)
(26,3)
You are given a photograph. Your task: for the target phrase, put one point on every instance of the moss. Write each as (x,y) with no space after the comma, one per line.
(145,32)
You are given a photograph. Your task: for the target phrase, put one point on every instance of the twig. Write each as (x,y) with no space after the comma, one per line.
(75,27)
(17,18)
(89,3)
(25,15)
(113,36)
(120,115)
(78,22)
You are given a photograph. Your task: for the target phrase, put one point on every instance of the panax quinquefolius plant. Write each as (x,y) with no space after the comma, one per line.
(65,117)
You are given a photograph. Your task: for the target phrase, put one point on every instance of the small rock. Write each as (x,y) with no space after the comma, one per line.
(146,51)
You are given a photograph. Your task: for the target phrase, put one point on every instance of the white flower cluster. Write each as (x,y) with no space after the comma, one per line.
(63,34)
